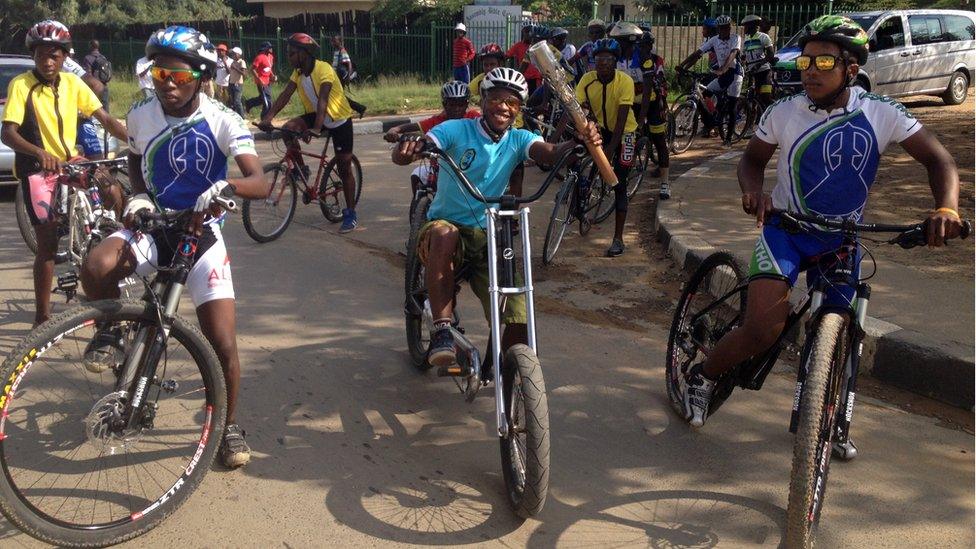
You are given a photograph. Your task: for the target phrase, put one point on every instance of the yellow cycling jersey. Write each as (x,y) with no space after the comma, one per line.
(474,88)
(48,115)
(605,99)
(338,109)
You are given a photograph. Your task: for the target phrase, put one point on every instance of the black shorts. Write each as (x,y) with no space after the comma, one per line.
(761,78)
(342,138)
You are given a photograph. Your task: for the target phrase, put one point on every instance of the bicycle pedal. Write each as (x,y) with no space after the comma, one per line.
(61,257)
(306,198)
(68,284)
(454,370)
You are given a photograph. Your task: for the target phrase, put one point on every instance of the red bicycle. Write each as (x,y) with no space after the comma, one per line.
(266,219)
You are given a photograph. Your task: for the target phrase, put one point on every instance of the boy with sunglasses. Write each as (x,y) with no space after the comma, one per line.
(180,142)
(40,121)
(832,136)
(326,108)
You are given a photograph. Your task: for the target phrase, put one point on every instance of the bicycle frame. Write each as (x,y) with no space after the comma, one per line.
(292,156)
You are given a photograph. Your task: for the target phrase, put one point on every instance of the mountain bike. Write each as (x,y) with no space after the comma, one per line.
(687,111)
(82,220)
(713,302)
(94,459)
(266,219)
(521,404)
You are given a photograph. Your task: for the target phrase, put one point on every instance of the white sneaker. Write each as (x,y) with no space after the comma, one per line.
(664,192)
(698,395)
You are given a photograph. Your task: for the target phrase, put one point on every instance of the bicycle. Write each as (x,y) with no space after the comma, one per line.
(266,219)
(713,302)
(94,459)
(686,113)
(573,203)
(521,405)
(79,213)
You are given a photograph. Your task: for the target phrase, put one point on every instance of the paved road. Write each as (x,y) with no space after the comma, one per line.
(353,448)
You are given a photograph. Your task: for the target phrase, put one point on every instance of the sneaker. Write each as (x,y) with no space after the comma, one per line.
(664,192)
(698,395)
(349,221)
(442,353)
(727,143)
(234,450)
(105,350)
(616,248)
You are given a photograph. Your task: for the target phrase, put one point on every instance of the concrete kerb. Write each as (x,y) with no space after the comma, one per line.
(901,357)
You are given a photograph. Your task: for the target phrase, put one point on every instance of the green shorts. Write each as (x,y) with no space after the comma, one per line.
(472,249)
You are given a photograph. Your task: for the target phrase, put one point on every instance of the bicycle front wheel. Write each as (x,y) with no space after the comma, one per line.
(559,220)
(685,127)
(712,303)
(267,218)
(73,474)
(819,410)
(525,451)
(331,194)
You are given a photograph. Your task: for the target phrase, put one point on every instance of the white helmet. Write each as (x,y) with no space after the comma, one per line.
(507,79)
(461,27)
(723,20)
(455,89)
(751,18)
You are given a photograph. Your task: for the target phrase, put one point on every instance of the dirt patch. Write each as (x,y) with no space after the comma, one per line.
(901,191)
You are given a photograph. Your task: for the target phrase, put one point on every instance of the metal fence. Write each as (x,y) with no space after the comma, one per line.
(425,50)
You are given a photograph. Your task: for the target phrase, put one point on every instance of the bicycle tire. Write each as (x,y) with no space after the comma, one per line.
(526,477)
(558,225)
(23,220)
(642,159)
(606,201)
(819,410)
(743,114)
(330,205)
(17,507)
(718,274)
(685,116)
(418,344)
(283,192)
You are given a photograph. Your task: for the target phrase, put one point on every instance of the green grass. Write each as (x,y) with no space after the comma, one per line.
(384,95)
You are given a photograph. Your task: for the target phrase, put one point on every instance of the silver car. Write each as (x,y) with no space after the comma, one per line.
(912,52)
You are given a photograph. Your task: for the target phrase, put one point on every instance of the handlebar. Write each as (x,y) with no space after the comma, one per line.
(77,168)
(909,236)
(147,221)
(292,133)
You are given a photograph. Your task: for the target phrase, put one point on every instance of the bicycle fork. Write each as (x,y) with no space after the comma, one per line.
(501,285)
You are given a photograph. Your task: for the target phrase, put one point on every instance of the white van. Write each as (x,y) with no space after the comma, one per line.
(912,52)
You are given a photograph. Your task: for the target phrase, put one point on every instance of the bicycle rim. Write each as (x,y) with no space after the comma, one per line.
(266,219)
(558,222)
(70,478)
(331,195)
(685,127)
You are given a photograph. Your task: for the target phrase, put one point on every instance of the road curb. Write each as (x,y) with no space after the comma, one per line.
(895,355)
(359,127)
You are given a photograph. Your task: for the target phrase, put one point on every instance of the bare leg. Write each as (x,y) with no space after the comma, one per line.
(47,247)
(443,241)
(219,324)
(106,265)
(344,166)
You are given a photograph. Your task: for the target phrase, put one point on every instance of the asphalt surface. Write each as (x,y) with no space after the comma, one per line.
(352,447)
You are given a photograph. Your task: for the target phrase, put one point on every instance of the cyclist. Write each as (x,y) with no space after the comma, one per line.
(488,149)
(583,59)
(181,140)
(726,68)
(326,108)
(454,98)
(40,121)
(652,111)
(518,53)
(758,54)
(609,94)
(492,57)
(832,136)
(558,37)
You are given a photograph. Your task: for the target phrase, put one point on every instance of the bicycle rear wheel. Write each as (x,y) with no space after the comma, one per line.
(712,302)
(642,159)
(819,410)
(525,451)
(331,195)
(603,197)
(266,219)
(73,477)
(685,127)
(559,221)
(415,290)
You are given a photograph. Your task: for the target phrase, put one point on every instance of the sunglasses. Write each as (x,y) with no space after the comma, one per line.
(178,76)
(510,102)
(822,62)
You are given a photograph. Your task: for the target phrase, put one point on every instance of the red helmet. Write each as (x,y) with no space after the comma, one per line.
(48,32)
(303,41)
(492,50)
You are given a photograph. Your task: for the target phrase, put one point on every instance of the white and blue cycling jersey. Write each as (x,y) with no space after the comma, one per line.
(181,158)
(828,161)
(487,164)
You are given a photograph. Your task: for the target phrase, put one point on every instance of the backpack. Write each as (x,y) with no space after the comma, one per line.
(102,69)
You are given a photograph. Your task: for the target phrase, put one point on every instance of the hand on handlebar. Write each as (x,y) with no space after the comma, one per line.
(941,226)
(391,136)
(759,204)
(49,162)
(411,145)
(308,134)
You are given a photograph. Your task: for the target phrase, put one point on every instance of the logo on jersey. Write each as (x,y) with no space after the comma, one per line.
(185,164)
(838,167)
(467,159)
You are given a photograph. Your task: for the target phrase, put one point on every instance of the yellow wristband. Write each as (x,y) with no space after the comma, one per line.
(948,210)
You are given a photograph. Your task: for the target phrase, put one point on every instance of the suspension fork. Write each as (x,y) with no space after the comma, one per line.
(853,362)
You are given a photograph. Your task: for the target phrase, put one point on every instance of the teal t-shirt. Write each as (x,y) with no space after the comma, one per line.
(488,165)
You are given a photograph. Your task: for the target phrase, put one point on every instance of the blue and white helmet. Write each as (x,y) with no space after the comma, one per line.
(186,43)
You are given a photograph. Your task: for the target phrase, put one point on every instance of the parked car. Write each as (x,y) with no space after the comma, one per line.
(912,52)
(10,67)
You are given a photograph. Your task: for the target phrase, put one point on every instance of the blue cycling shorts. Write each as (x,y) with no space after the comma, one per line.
(88,138)
(783,255)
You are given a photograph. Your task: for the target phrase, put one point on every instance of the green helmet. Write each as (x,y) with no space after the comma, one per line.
(840,30)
